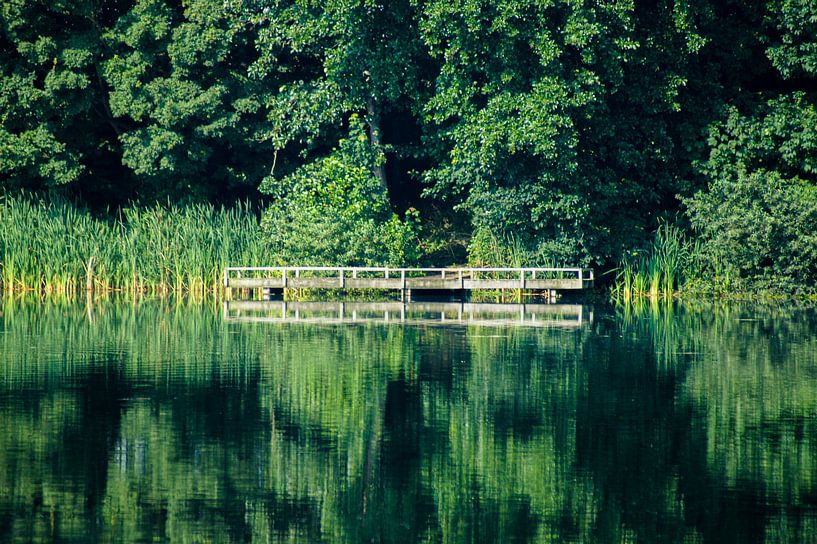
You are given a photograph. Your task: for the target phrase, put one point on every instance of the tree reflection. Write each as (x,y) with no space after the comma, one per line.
(163,422)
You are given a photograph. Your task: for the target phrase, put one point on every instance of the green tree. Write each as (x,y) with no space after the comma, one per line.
(555,123)
(195,120)
(335,211)
(55,124)
(335,59)
(756,217)
(343,65)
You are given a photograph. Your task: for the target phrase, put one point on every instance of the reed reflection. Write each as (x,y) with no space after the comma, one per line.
(170,422)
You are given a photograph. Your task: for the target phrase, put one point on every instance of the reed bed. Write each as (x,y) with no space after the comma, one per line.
(57,248)
(660,271)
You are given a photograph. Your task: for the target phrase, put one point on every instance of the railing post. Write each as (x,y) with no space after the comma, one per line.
(459,276)
(522,278)
(443,273)
(403,279)
(386,273)
(284,277)
(342,279)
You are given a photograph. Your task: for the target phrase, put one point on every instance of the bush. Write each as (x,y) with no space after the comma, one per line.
(334,212)
(758,228)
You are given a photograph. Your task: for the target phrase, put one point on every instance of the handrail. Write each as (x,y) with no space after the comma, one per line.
(407,278)
(460,273)
(390,269)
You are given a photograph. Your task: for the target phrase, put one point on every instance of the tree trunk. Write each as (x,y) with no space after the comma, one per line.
(373,114)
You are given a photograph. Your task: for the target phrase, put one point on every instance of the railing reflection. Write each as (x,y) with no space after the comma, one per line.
(429,313)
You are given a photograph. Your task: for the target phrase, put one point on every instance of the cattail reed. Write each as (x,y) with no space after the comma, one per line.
(56,248)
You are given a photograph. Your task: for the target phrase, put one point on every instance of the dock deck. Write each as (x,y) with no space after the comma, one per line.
(549,280)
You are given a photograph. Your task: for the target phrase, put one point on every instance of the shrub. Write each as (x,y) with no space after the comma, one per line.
(758,227)
(335,212)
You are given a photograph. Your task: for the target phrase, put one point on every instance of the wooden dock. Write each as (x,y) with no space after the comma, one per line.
(423,313)
(547,280)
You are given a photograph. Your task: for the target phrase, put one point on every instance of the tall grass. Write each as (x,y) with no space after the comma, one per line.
(658,272)
(487,249)
(56,248)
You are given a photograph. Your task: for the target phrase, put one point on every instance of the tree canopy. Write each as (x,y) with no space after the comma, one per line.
(572,127)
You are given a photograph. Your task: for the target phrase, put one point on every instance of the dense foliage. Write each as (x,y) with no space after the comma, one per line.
(568,129)
(336,210)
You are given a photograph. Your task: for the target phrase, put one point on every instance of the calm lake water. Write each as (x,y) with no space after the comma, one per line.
(180,422)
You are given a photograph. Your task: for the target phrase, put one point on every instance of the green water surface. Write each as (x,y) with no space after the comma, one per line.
(164,422)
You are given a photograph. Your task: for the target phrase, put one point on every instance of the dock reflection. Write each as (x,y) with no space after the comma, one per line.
(428,313)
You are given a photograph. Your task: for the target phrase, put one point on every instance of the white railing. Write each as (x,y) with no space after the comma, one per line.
(340,272)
